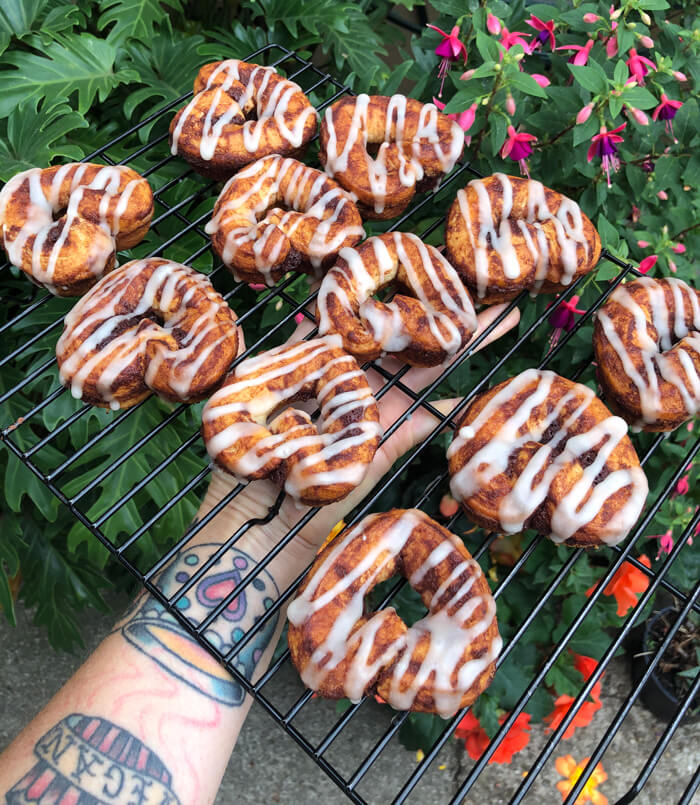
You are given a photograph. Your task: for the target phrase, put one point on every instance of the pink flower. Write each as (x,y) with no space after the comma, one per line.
(663,195)
(464,120)
(564,315)
(581,52)
(590,18)
(679,76)
(665,543)
(682,486)
(638,115)
(646,42)
(648,263)
(639,66)
(584,113)
(545,29)
(679,248)
(510,105)
(493,24)
(508,39)
(611,48)
(299,317)
(604,145)
(542,80)
(615,12)
(467,74)
(517,147)
(256,286)
(450,50)
(666,111)
(643,244)
(672,267)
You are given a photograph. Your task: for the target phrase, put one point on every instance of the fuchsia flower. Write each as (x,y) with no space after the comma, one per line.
(679,76)
(682,486)
(581,52)
(666,111)
(639,66)
(648,263)
(564,315)
(604,145)
(665,543)
(679,248)
(584,113)
(517,147)
(450,50)
(542,80)
(663,195)
(638,115)
(511,38)
(493,24)
(646,41)
(643,244)
(510,105)
(611,48)
(672,267)
(464,119)
(589,17)
(545,31)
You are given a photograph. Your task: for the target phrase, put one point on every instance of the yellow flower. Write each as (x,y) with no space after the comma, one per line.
(337,528)
(567,767)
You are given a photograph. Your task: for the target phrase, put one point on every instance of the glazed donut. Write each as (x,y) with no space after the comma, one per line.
(423,329)
(540,451)
(438,665)
(506,234)
(316,465)
(62,225)
(149,326)
(260,242)
(647,347)
(240,112)
(417,145)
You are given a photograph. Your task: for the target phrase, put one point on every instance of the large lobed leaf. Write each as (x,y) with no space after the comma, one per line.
(134,19)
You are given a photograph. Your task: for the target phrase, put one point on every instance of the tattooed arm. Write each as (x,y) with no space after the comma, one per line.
(151,718)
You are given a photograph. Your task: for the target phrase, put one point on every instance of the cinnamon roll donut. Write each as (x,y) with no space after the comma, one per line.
(260,242)
(150,326)
(506,234)
(424,328)
(240,112)
(417,145)
(647,347)
(63,225)
(540,451)
(438,665)
(316,465)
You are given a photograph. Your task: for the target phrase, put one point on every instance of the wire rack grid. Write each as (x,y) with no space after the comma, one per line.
(39,413)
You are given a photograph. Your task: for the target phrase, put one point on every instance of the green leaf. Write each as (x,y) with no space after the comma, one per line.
(586,130)
(487,46)
(18,16)
(620,73)
(639,97)
(589,77)
(563,677)
(608,233)
(134,19)
(420,731)
(526,83)
(81,64)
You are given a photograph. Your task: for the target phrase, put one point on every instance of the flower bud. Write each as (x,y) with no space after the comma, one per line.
(639,116)
(584,113)
(679,76)
(663,195)
(519,57)
(615,12)
(510,105)
(643,244)
(672,266)
(630,26)
(648,263)
(611,46)
(467,75)
(645,18)
(542,80)
(646,41)
(679,248)
(590,17)
(493,24)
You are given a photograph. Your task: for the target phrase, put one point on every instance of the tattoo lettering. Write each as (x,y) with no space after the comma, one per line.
(85,761)
(155,632)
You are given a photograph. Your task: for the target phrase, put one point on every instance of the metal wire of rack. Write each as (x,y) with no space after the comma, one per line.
(39,448)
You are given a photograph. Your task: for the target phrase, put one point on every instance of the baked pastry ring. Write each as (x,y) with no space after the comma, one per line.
(150,326)
(260,242)
(417,145)
(240,112)
(647,347)
(540,451)
(438,665)
(316,465)
(423,329)
(63,225)
(506,234)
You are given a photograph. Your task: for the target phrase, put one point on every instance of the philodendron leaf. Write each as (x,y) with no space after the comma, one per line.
(134,19)
(18,16)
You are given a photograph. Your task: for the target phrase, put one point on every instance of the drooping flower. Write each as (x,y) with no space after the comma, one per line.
(648,263)
(615,12)
(682,486)
(665,543)
(448,506)
(590,18)
(611,46)
(643,244)
(581,52)
(679,248)
(569,769)
(584,113)
(639,66)
(493,24)
(465,119)
(545,31)
(517,147)
(476,740)
(679,76)
(584,715)
(450,50)
(635,214)
(510,105)
(511,38)
(663,195)
(604,145)
(563,317)
(666,111)
(638,115)
(646,41)
(626,584)
(540,79)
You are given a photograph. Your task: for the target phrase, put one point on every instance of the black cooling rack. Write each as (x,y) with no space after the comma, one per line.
(183,205)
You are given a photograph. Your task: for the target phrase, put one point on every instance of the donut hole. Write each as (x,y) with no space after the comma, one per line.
(406,599)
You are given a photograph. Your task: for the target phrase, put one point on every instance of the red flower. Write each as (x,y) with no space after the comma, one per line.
(584,715)
(665,543)
(517,147)
(581,52)
(545,31)
(682,486)
(476,740)
(604,145)
(666,110)
(450,50)
(648,263)
(626,584)
(465,119)
(564,315)
(510,38)
(639,66)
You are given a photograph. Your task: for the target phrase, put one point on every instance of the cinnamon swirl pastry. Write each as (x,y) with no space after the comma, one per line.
(424,328)
(539,451)
(438,665)
(63,225)
(417,146)
(647,347)
(260,242)
(506,234)
(316,465)
(240,112)
(150,326)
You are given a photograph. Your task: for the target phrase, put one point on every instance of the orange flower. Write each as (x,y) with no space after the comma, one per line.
(476,740)
(626,584)
(567,767)
(337,528)
(562,705)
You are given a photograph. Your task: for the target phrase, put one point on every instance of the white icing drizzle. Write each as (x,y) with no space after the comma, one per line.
(645,362)
(489,234)
(250,87)
(95,347)
(311,198)
(444,627)
(585,499)
(235,418)
(415,147)
(435,283)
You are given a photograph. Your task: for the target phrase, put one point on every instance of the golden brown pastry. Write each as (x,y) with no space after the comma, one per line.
(540,451)
(438,665)
(260,240)
(417,146)
(431,318)
(315,464)
(647,347)
(240,112)
(150,326)
(63,225)
(506,234)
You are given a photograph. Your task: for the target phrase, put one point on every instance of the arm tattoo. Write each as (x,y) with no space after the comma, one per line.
(84,760)
(155,632)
